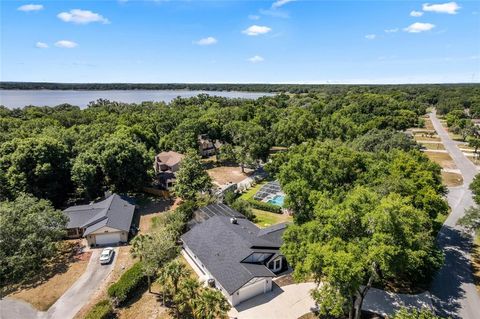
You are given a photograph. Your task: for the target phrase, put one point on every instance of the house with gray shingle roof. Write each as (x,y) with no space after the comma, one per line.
(232,254)
(102,223)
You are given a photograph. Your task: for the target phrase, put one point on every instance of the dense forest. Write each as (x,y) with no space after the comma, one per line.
(365,198)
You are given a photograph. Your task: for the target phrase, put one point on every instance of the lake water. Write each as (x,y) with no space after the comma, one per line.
(21,98)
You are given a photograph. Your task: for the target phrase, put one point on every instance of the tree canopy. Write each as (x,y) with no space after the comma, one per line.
(30,229)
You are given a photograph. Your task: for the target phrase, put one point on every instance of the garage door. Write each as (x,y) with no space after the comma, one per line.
(107,238)
(251,290)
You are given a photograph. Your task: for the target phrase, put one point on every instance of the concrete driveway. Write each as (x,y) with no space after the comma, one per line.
(287,302)
(453,289)
(70,302)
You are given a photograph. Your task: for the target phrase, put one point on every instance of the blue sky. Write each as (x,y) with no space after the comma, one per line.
(240,41)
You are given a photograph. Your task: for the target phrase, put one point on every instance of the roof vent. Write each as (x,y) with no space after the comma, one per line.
(233,220)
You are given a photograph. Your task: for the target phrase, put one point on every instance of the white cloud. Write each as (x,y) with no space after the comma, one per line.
(275,13)
(419,27)
(41,45)
(391,30)
(253,17)
(66,44)
(256,59)
(30,7)
(279,3)
(370,36)
(416,13)
(82,17)
(449,7)
(256,30)
(206,41)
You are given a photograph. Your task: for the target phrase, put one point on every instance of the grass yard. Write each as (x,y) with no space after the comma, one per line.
(452,179)
(432,146)
(476,261)
(266,219)
(252,191)
(442,159)
(423,137)
(71,266)
(146,305)
(148,210)
(428,124)
(474,160)
(223,175)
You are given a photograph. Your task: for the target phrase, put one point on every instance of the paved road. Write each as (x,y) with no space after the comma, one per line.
(453,290)
(70,302)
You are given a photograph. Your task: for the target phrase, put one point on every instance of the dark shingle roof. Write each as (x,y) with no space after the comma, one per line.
(221,246)
(115,212)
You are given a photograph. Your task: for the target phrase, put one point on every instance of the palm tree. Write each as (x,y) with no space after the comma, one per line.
(210,304)
(170,276)
(187,292)
(138,246)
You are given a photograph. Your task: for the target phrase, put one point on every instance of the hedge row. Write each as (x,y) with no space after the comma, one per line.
(265,206)
(132,279)
(101,310)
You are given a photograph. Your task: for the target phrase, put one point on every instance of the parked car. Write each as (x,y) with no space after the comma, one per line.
(106,255)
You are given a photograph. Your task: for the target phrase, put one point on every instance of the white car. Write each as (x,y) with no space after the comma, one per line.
(106,255)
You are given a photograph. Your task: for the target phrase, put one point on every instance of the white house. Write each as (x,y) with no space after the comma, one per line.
(233,254)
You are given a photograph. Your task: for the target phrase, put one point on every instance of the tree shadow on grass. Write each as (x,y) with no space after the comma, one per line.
(69,251)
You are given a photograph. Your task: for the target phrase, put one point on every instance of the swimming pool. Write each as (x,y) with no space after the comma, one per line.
(277,200)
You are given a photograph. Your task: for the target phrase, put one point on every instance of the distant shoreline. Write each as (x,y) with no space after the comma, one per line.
(227,87)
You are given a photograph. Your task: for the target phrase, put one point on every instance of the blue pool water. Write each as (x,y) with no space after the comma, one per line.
(277,200)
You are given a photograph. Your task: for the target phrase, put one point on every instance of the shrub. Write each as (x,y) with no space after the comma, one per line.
(265,206)
(101,310)
(244,208)
(130,281)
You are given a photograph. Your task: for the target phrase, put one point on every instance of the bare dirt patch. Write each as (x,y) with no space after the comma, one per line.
(68,267)
(151,208)
(450,179)
(442,159)
(223,175)
(148,306)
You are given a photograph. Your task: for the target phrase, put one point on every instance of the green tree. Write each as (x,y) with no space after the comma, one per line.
(210,304)
(244,208)
(296,127)
(191,178)
(114,163)
(364,239)
(475,188)
(187,293)
(471,219)
(155,250)
(39,166)
(171,276)
(30,229)
(423,313)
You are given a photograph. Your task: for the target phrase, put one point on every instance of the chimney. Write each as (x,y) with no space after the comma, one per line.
(233,220)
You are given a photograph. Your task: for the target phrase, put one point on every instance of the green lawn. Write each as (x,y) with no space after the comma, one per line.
(252,191)
(265,219)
